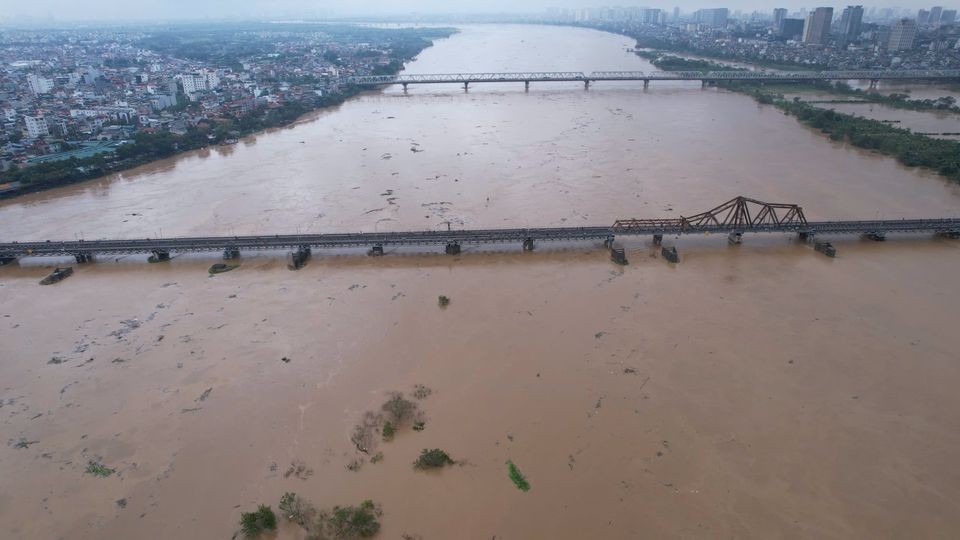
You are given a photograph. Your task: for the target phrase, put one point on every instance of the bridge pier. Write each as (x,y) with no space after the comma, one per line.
(453,248)
(159,255)
(618,254)
(670,254)
(608,241)
(657,239)
(826,248)
(83,257)
(526,86)
(7,260)
(528,244)
(404,87)
(646,84)
(586,84)
(735,238)
(297,259)
(466,86)
(703,84)
(231,253)
(804,236)
(376,250)
(876,236)
(873,83)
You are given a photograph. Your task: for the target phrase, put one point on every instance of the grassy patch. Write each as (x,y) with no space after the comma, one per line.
(432,459)
(443,301)
(99,469)
(377,458)
(254,523)
(517,477)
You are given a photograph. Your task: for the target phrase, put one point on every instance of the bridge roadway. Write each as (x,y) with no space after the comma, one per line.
(703,76)
(11,250)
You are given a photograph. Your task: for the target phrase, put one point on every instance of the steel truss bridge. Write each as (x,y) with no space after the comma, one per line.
(703,76)
(735,218)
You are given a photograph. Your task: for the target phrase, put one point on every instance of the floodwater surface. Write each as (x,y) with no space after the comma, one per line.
(752,391)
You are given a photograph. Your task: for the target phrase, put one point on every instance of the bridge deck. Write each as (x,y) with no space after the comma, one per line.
(708,76)
(478,236)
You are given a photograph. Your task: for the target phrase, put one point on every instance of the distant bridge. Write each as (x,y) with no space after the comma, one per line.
(703,76)
(734,218)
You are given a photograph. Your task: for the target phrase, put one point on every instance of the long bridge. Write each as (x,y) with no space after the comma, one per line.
(705,77)
(735,218)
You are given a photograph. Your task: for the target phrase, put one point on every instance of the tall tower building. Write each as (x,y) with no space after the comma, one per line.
(901,35)
(850,23)
(817,26)
(779,14)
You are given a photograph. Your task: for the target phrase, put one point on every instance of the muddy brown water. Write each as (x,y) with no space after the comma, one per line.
(760,390)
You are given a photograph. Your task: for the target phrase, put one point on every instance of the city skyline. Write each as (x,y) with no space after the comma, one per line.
(117,10)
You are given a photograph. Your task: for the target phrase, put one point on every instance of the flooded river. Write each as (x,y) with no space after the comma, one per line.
(751,391)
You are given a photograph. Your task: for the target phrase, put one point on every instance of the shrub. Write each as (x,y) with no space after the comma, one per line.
(297,510)
(388,431)
(399,409)
(354,522)
(254,523)
(517,477)
(432,459)
(443,301)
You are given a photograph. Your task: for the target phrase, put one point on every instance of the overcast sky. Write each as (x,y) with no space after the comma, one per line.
(182,9)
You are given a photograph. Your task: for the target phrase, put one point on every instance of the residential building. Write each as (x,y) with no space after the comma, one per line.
(36,126)
(949,16)
(39,85)
(791,28)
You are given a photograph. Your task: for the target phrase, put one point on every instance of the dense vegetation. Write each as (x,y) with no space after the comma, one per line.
(910,149)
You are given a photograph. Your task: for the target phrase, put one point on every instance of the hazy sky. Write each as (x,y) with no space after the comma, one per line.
(181,9)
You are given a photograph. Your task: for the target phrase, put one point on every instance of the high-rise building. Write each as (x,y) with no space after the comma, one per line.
(712,17)
(36,126)
(38,84)
(817,26)
(923,16)
(779,14)
(791,28)
(850,23)
(949,16)
(935,13)
(901,35)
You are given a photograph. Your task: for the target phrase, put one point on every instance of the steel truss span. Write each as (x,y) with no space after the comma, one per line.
(738,215)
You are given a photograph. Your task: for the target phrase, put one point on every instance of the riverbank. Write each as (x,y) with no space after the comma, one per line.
(148,146)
